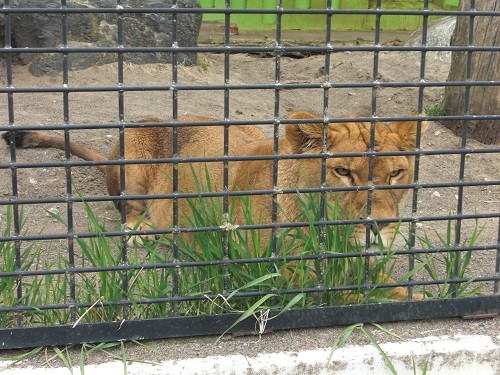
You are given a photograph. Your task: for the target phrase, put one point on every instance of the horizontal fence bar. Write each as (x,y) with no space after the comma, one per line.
(228,10)
(186,160)
(263,86)
(243,295)
(279,49)
(243,193)
(180,230)
(218,324)
(279,121)
(271,260)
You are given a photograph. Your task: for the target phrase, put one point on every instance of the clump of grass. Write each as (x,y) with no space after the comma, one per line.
(360,327)
(9,263)
(344,262)
(75,358)
(97,252)
(235,270)
(27,291)
(305,258)
(450,264)
(224,269)
(204,65)
(435,110)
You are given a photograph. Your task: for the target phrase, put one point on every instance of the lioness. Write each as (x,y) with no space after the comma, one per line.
(244,140)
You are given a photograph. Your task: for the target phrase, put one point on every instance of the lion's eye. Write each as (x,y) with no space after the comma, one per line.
(342,171)
(395,173)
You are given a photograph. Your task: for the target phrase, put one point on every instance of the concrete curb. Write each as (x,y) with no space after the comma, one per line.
(457,355)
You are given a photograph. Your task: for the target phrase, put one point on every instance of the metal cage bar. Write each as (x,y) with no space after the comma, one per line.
(175,323)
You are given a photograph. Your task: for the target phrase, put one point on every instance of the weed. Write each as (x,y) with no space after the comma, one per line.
(204,65)
(348,332)
(435,110)
(12,361)
(450,264)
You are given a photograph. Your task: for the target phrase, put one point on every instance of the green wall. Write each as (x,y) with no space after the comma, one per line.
(317,22)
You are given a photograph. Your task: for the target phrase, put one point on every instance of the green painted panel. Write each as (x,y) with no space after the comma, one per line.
(206,3)
(353,4)
(238,4)
(302,4)
(448,4)
(318,21)
(269,19)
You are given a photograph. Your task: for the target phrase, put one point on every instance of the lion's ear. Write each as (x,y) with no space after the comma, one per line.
(407,133)
(304,137)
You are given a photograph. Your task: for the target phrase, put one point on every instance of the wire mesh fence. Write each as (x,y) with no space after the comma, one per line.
(249,184)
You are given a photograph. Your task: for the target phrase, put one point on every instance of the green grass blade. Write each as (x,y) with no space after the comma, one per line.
(290,304)
(342,340)
(19,358)
(249,312)
(383,329)
(426,364)
(123,357)
(81,359)
(66,360)
(376,345)
(254,282)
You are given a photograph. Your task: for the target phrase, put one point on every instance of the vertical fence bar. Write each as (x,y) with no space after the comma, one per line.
(496,284)
(324,150)
(13,159)
(226,115)
(67,156)
(371,159)
(463,144)
(276,129)
(416,168)
(121,152)
(175,154)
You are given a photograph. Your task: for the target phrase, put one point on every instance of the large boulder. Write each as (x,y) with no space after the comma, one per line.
(438,35)
(101,30)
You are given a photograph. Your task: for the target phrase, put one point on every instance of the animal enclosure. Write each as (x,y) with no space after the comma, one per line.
(231,254)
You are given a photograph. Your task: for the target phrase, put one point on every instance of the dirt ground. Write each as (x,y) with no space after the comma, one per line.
(356,67)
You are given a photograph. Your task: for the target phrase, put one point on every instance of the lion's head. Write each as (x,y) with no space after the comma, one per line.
(352,171)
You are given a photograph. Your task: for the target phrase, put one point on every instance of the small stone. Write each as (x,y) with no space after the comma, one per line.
(436,194)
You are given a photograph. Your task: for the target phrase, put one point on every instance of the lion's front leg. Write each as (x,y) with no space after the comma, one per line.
(136,210)
(398,293)
(136,220)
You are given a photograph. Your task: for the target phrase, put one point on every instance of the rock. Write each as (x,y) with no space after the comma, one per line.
(438,35)
(101,30)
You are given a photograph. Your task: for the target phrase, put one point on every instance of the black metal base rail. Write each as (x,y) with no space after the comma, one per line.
(218,324)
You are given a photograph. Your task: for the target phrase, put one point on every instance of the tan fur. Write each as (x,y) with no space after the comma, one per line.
(305,138)
(341,138)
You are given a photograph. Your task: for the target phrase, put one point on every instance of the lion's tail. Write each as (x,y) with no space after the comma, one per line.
(30,139)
